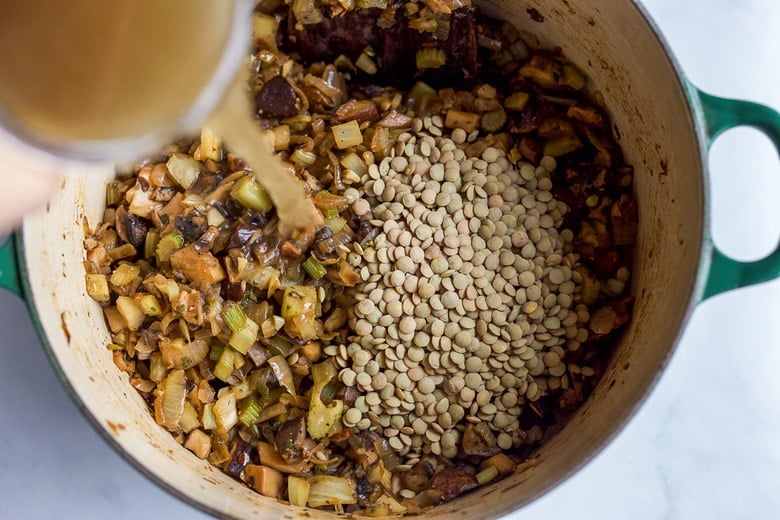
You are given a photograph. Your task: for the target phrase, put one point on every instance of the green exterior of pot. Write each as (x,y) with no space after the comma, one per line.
(720,114)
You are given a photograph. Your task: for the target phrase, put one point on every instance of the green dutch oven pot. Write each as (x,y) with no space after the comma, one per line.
(666,126)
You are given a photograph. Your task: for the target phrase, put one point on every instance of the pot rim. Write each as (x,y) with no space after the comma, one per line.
(704,251)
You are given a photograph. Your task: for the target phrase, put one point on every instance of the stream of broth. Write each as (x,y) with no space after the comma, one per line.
(102,70)
(234,123)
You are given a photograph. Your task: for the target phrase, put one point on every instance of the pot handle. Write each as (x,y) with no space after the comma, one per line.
(9,267)
(721,114)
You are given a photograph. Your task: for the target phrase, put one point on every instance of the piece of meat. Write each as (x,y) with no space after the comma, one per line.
(452,482)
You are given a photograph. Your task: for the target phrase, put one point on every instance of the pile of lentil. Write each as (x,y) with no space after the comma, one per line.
(458,303)
(465,293)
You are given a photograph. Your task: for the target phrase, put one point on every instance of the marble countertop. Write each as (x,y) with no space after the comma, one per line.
(703,446)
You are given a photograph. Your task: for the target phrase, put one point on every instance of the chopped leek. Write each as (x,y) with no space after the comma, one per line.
(251,194)
(243,339)
(315,269)
(298,490)
(249,411)
(321,418)
(214,217)
(123,251)
(150,243)
(97,287)
(183,169)
(189,418)
(157,368)
(303,158)
(336,224)
(234,317)
(330,213)
(299,309)
(225,412)
(216,351)
(282,373)
(347,134)
(331,491)
(171,399)
(354,163)
(167,245)
(224,366)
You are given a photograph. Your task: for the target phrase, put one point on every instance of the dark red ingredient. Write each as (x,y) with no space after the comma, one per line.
(276,99)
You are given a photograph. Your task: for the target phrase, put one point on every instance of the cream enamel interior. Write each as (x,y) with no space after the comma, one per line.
(616,47)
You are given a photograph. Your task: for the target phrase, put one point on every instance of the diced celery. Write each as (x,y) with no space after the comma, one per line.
(131,311)
(487,475)
(298,490)
(124,274)
(225,412)
(113,195)
(97,287)
(314,268)
(234,317)
(207,417)
(149,305)
(430,58)
(243,339)
(167,245)
(251,194)
(249,411)
(347,134)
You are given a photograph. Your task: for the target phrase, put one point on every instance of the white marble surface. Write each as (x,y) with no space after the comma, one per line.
(704,445)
